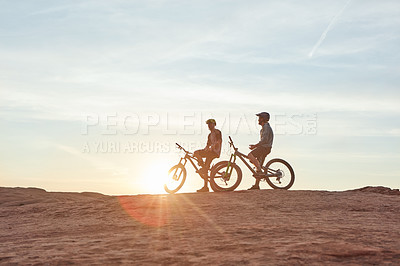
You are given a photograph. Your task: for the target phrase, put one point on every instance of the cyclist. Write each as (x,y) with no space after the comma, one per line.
(262,148)
(210,152)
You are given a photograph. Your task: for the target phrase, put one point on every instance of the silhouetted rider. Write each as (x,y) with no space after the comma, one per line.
(210,152)
(263,147)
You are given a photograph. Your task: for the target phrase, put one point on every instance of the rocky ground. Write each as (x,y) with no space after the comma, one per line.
(244,227)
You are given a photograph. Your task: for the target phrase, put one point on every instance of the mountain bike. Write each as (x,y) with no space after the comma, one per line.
(277,172)
(177,174)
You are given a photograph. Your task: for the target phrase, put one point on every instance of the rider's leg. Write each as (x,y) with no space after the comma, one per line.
(198,155)
(209,157)
(205,181)
(203,171)
(254,161)
(254,157)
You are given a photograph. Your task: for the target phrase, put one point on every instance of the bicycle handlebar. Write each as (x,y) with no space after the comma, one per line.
(181,148)
(231,142)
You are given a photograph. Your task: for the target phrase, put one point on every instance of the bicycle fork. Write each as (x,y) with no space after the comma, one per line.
(229,169)
(175,177)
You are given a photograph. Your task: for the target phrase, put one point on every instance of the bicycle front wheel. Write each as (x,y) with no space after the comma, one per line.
(176,178)
(282,174)
(213,187)
(225,176)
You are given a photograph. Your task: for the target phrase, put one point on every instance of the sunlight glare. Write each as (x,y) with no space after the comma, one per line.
(154,177)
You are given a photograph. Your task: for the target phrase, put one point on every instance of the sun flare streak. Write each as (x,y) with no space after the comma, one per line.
(203,214)
(150,212)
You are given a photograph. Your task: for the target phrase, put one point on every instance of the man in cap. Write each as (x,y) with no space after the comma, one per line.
(263,147)
(210,152)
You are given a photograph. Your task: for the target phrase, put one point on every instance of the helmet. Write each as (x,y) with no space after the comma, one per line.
(211,121)
(264,115)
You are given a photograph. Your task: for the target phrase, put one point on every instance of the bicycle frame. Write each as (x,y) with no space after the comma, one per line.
(188,157)
(267,171)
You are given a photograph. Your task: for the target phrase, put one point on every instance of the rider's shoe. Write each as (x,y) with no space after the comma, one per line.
(203,189)
(254,187)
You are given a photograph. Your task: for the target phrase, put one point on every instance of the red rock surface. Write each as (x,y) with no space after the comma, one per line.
(245,227)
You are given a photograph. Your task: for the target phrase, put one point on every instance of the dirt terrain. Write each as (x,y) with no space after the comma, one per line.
(244,227)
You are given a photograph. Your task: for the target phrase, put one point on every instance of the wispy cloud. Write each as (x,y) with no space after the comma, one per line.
(330,25)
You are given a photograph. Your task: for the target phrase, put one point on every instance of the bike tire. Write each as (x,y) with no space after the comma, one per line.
(289,167)
(213,187)
(214,176)
(182,169)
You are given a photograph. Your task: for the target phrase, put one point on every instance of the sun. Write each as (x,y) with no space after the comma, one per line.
(154,176)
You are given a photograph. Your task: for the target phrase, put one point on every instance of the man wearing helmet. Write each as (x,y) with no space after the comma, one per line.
(210,152)
(263,147)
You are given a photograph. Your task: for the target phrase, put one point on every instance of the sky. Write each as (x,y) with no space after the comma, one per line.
(94,94)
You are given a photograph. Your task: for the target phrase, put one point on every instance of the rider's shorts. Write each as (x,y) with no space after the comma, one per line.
(260,153)
(207,154)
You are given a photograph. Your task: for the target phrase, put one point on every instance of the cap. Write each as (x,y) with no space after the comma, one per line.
(264,115)
(211,121)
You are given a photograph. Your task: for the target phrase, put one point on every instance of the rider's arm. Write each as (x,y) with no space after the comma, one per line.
(208,143)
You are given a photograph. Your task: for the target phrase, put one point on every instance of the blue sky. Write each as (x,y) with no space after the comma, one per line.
(62,61)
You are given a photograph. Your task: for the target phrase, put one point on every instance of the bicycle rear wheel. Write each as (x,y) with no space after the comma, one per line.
(176,178)
(283,174)
(225,176)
